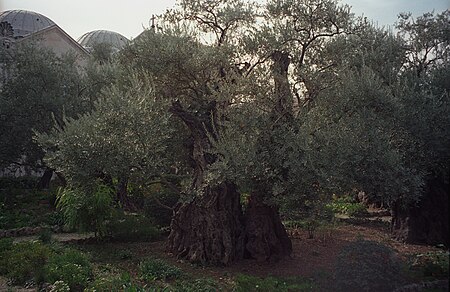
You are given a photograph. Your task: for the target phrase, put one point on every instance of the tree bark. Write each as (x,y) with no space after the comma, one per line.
(427,222)
(122,193)
(209,230)
(266,237)
(44,182)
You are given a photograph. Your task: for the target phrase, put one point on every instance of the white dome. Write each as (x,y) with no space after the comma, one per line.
(24,22)
(116,40)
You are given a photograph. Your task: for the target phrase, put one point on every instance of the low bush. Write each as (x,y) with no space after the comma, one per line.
(70,266)
(25,261)
(197,285)
(130,228)
(348,206)
(246,283)
(45,235)
(86,211)
(433,264)
(159,215)
(368,266)
(156,269)
(6,244)
(60,286)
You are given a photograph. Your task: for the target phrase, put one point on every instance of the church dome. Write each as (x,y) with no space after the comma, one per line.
(114,39)
(19,23)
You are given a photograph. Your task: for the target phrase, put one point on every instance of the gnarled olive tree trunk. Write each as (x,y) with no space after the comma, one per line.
(211,228)
(426,222)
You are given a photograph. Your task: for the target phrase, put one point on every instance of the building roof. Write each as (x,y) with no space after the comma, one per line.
(116,40)
(25,22)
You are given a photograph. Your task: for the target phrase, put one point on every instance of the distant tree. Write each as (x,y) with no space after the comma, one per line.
(124,137)
(41,88)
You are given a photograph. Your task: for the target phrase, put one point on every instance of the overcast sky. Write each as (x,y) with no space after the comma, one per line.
(77,17)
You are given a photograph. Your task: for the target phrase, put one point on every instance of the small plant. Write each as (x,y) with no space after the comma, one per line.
(132,228)
(86,211)
(6,244)
(246,283)
(71,266)
(197,285)
(45,235)
(125,254)
(25,261)
(348,206)
(60,286)
(156,269)
(433,264)
(367,266)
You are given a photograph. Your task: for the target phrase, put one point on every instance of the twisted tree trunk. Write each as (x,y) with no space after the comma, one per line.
(211,228)
(426,222)
(266,238)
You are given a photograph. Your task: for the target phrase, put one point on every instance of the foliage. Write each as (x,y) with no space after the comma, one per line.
(124,136)
(86,211)
(70,266)
(246,283)
(25,207)
(156,269)
(348,206)
(158,214)
(25,261)
(45,235)
(109,278)
(200,285)
(41,88)
(129,228)
(6,244)
(367,266)
(60,286)
(431,264)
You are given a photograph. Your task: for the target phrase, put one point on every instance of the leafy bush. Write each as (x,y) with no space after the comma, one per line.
(71,266)
(132,228)
(23,182)
(6,244)
(108,278)
(246,283)
(432,264)
(156,269)
(60,286)
(25,261)
(87,212)
(197,285)
(367,266)
(45,235)
(159,215)
(348,206)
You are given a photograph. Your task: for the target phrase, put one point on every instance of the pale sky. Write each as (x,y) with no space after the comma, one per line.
(77,17)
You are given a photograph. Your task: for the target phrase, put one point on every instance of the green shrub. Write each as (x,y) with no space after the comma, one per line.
(433,264)
(130,228)
(156,269)
(45,235)
(71,266)
(197,285)
(6,244)
(367,266)
(247,283)
(86,211)
(159,215)
(25,261)
(60,286)
(348,206)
